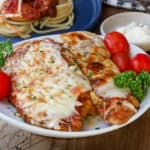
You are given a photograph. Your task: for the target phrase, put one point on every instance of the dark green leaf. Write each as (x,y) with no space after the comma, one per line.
(2,61)
(6,48)
(5,51)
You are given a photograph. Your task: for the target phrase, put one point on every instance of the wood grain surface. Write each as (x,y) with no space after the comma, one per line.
(135,136)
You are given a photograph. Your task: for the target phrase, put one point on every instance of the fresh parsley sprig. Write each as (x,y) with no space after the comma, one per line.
(137,83)
(5,51)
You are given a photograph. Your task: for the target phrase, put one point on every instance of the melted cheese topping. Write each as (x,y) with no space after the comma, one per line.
(106,112)
(113,106)
(129,105)
(109,90)
(44,84)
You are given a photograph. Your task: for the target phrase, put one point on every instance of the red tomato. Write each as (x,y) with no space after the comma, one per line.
(116,43)
(123,61)
(4,85)
(141,62)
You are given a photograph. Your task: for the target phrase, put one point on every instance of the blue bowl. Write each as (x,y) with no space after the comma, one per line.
(86,14)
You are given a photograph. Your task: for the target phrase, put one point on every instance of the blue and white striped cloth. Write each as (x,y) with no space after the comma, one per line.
(123,4)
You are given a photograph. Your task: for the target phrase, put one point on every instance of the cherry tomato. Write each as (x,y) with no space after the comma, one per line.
(4,85)
(123,61)
(141,62)
(116,43)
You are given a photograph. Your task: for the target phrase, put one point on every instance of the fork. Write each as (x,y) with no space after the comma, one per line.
(144,3)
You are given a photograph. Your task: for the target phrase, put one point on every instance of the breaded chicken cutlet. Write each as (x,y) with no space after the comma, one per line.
(114,105)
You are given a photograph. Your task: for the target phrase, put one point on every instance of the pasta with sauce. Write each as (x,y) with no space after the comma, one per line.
(39,16)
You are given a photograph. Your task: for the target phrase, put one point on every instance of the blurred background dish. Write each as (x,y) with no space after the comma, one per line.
(134,25)
(140,5)
(82,20)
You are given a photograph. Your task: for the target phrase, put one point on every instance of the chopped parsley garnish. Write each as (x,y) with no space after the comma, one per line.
(97,128)
(75,69)
(90,75)
(33,97)
(52,60)
(42,72)
(68,86)
(85,54)
(25,87)
(51,97)
(18,84)
(16,114)
(5,51)
(65,49)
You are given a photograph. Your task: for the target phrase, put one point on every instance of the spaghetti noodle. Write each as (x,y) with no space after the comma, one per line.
(63,20)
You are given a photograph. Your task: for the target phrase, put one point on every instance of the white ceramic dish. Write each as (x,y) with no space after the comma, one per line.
(7,112)
(124,19)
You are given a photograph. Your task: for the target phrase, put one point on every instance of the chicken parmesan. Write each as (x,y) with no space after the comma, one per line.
(114,105)
(48,89)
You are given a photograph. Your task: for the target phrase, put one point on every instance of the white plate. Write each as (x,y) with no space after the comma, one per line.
(7,112)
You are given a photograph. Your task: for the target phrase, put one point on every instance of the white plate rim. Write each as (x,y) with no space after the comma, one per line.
(63,134)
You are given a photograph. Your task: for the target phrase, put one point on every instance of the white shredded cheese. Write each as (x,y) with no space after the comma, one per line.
(109,90)
(44,83)
(138,34)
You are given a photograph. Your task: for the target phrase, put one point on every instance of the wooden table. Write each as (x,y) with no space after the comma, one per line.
(135,136)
